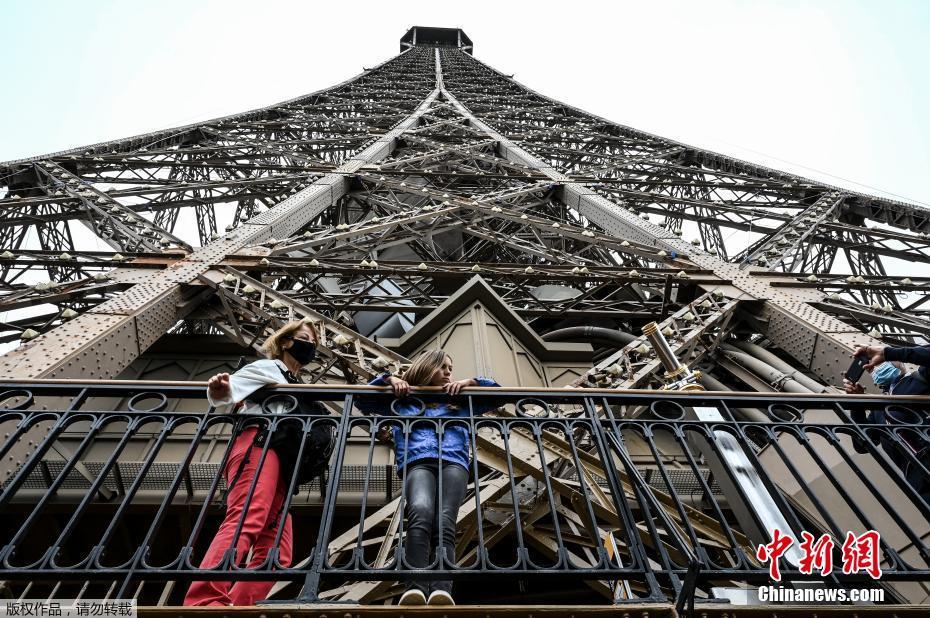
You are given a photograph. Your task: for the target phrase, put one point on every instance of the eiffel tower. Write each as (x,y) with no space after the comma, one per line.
(433,201)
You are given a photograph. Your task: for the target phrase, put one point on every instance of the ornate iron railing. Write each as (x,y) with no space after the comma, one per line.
(117,487)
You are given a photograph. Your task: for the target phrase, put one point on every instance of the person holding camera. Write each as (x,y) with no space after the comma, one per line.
(888,372)
(909,451)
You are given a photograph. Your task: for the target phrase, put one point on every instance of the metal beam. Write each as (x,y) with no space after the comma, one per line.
(102,342)
(816,340)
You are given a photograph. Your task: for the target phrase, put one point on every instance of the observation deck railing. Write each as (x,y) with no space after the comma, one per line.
(623,492)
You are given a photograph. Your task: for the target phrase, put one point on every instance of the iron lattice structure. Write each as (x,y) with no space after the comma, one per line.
(433,157)
(370,206)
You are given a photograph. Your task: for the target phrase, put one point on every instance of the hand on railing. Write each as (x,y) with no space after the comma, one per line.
(454,388)
(400,387)
(218,387)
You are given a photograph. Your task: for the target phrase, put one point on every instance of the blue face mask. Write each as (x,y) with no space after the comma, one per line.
(885,374)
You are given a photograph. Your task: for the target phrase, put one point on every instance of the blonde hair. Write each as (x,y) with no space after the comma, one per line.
(423,368)
(274,345)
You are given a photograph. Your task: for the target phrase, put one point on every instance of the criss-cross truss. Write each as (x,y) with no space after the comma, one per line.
(370,206)
(381,196)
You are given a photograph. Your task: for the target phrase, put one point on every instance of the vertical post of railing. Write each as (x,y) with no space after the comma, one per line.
(187,551)
(649,503)
(522,554)
(637,551)
(357,551)
(121,510)
(311,588)
(686,595)
(183,470)
(388,483)
(481,558)
(562,559)
(91,493)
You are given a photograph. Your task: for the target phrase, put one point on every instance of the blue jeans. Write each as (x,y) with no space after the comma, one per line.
(426,519)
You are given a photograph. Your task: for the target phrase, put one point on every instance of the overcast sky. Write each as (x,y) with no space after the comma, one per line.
(831,90)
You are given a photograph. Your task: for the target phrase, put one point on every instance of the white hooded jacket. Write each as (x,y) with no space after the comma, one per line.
(246,381)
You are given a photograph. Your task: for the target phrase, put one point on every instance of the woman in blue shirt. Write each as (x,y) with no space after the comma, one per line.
(423,459)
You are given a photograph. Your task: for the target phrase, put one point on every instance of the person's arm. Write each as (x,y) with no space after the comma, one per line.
(373,405)
(231,389)
(370,405)
(917,355)
(486,404)
(219,392)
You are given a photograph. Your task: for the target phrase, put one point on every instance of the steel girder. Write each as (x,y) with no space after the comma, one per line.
(412,177)
(548,185)
(815,339)
(411,288)
(103,341)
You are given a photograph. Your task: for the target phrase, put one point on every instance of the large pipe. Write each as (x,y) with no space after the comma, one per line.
(769,358)
(597,334)
(765,371)
(746,414)
(757,512)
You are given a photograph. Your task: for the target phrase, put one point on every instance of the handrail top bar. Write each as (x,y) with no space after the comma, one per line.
(596,392)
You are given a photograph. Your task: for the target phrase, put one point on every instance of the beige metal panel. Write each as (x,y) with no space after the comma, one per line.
(478,292)
(459,340)
(510,362)
(530,372)
(481,345)
(558,374)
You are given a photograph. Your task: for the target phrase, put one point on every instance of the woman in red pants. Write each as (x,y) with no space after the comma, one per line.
(288,349)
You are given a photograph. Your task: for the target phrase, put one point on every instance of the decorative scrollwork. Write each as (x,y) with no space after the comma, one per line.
(160,398)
